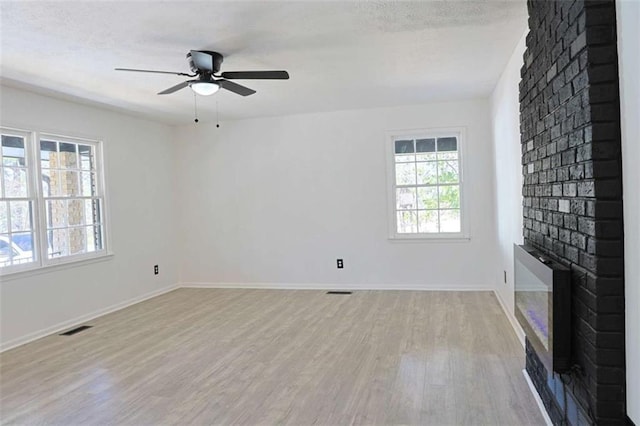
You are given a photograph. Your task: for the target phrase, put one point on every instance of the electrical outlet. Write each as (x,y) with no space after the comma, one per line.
(505,276)
(339,263)
(155,270)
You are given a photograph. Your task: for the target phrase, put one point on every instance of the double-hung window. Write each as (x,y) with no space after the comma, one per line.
(426,194)
(52,205)
(17,200)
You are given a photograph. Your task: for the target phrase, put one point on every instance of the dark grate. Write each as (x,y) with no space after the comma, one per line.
(338,292)
(75,330)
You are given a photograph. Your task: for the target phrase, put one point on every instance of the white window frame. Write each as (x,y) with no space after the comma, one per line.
(391,137)
(32,196)
(40,244)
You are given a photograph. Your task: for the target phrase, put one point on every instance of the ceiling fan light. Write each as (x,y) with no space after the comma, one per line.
(204,88)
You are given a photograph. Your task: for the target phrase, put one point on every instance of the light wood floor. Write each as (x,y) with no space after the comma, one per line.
(214,356)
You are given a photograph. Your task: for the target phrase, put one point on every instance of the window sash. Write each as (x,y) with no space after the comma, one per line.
(30,198)
(99,195)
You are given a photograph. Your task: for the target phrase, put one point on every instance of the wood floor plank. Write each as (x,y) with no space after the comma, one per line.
(247,357)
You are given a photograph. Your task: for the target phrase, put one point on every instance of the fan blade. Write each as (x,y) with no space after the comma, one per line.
(255,75)
(202,61)
(175,88)
(235,87)
(154,71)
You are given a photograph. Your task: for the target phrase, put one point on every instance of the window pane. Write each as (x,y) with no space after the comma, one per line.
(4,218)
(405,198)
(51,183)
(63,213)
(86,157)
(20,215)
(67,157)
(91,239)
(426,156)
(426,149)
(84,240)
(58,243)
(449,196)
(97,237)
(425,145)
(428,221)
(427,173)
(15,182)
(405,174)
(449,220)
(404,147)
(407,222)
(24,240)
(448,171)
(69,184)
(46,148)
(58,155)
(428,197)
(73,241)
(91,211)
(75,212)
(87,184)
(405,158)
(448,155)
(447,144)
(11,253)
(56,213)
(94,238)
(13,151)
(77,240)
(23,258)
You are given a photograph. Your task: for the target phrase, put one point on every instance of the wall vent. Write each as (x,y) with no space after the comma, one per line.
(338,292)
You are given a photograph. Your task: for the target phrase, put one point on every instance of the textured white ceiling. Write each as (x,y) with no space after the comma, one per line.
(340,55)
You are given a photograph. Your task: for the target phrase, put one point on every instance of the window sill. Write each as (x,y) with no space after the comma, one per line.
(38,270)
(433,239)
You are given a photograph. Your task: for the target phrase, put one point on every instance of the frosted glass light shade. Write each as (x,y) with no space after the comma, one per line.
(204,88)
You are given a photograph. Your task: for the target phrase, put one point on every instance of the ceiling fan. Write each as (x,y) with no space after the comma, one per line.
(205,65)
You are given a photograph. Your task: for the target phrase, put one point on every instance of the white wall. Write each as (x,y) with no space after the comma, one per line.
(140,185)
(505,122)
(628,17)
(275,201)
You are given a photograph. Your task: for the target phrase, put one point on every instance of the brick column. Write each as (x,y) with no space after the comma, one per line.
(72,240)
(570,126)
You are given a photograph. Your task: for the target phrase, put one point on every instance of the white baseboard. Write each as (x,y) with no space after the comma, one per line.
(512,319)
(327,286)
(536,395)
(84,318)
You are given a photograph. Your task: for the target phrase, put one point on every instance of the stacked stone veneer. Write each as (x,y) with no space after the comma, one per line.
(66,241)
(569,103)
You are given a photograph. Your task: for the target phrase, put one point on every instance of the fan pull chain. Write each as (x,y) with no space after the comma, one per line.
(217,115)
(195,106)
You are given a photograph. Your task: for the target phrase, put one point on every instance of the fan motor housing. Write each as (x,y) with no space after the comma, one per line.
(216,60)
